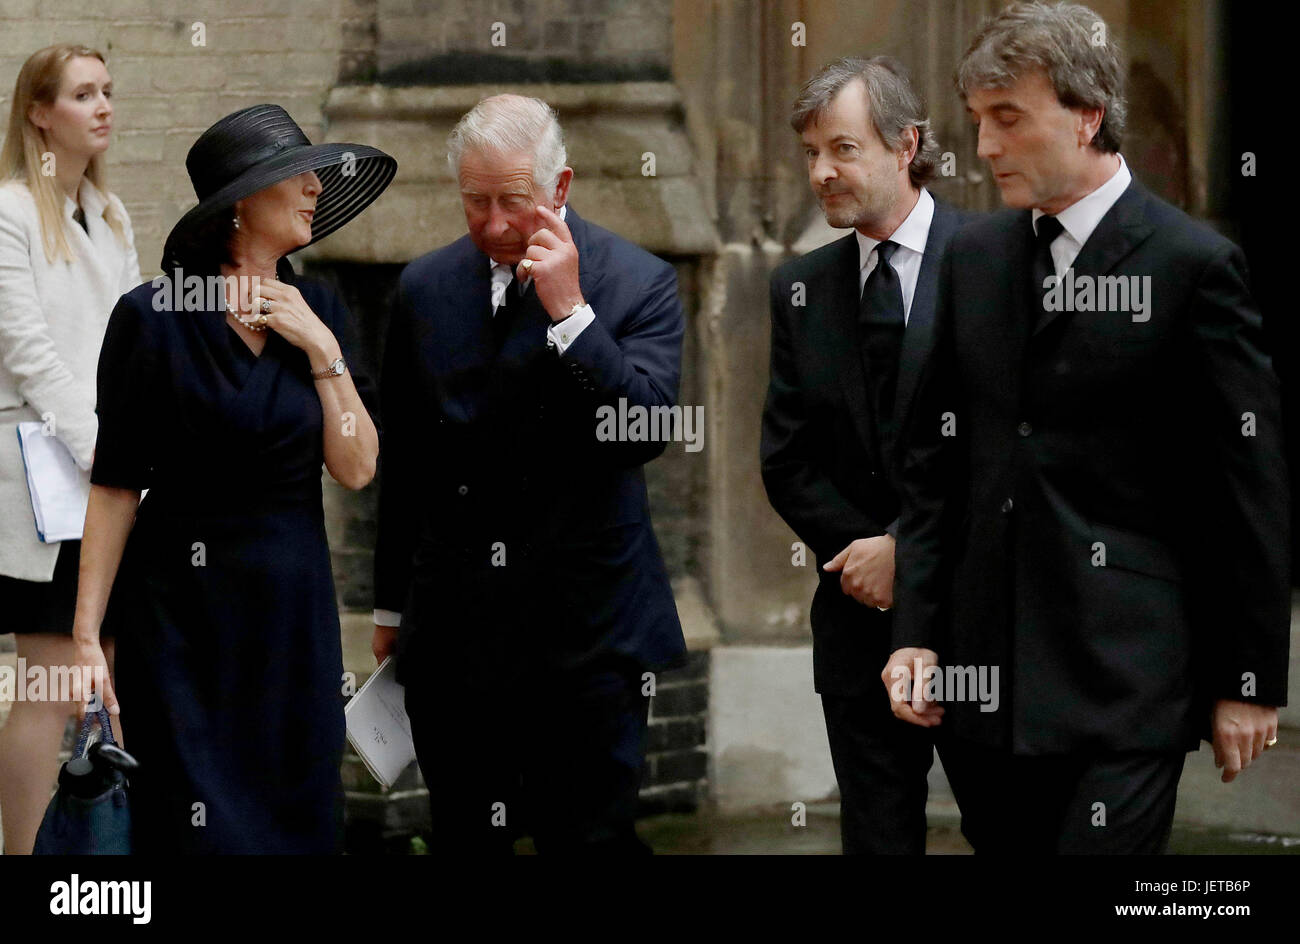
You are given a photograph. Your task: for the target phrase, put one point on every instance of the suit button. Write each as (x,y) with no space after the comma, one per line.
(1024,429)
(463,490)
(1007,506)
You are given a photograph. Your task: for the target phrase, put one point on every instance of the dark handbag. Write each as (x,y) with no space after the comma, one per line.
(90,813)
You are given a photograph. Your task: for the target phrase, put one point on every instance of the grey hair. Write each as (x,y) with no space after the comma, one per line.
(1060,40)
(895,106)
(511,124)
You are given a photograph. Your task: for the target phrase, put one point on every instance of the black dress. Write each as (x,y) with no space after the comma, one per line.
(229,664)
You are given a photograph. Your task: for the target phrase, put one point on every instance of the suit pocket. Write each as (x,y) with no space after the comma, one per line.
(1139,553)
(1118,335)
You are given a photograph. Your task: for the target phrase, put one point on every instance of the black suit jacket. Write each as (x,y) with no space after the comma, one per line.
(510,537)
(1101,526)
(816,447)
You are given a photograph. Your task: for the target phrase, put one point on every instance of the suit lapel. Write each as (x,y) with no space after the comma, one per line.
(841,302)
(918,337)
(1012,273)
(527,326)
(1123,227)
(459,347)
(474,293)
(589,276)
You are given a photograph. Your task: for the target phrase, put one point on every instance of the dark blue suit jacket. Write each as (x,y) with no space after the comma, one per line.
(510,537)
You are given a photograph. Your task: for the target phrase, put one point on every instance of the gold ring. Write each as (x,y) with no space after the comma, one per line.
(266,307)
(527,266)
(1270,742)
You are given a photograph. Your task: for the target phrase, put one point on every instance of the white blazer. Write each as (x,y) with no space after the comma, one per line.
(52,321)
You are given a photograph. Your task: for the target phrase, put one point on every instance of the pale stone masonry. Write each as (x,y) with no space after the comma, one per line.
(167,89)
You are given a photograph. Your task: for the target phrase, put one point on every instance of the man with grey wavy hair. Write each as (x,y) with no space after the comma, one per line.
(850,325)
(1093,495)
(505,124)
(517,577)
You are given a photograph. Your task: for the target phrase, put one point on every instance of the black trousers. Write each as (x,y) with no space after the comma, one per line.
(1087,803)
(558,756)
(881,765)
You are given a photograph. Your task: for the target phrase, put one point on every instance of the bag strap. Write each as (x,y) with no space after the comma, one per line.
(105,727)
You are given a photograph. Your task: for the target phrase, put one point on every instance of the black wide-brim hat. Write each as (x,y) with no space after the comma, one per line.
(259,146)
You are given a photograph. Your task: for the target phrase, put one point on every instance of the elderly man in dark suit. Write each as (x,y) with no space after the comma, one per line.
(1094,493)
(850,333)
(515,548)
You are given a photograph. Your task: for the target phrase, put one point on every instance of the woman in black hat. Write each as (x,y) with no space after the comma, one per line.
(223,396)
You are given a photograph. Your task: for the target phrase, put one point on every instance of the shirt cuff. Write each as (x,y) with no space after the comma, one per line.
(563,333)
(388,618)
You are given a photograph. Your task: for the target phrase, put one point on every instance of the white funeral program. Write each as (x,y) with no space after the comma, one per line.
(55,484)
(378,727)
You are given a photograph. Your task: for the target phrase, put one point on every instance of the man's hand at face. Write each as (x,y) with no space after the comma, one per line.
(552,261)
(904,678)
(1241,733)
(866,569)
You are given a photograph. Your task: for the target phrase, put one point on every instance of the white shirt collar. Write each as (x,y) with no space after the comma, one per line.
(90,197)
(911,234)
(1080,218)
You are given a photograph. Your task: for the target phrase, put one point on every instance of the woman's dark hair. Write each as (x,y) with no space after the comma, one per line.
(207,246)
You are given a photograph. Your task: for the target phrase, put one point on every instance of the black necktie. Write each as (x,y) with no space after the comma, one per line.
(880,324)
(504,315)
(1049,227)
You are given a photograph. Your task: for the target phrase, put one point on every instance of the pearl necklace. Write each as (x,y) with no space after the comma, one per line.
(258,323)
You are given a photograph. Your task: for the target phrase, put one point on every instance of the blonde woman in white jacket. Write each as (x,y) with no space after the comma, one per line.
(66,254)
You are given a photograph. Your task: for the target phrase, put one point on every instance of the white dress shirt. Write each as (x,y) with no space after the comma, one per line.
(1080,218)
(52,321)
(911,237)
(561,334)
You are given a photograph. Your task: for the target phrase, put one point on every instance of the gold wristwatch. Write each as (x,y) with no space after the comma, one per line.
(335,369)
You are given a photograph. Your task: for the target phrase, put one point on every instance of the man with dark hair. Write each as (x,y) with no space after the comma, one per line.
(1094,497)
(850,333)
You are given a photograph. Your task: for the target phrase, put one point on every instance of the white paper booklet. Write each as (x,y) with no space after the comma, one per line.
(55,483)
(378,727)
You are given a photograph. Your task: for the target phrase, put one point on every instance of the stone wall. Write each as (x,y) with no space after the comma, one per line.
(167,89)
(436,42)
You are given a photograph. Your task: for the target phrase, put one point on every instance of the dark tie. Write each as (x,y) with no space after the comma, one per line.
(504,316)
(880,326)
(1049,227)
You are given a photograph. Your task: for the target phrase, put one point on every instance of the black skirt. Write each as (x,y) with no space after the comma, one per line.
(33,606)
